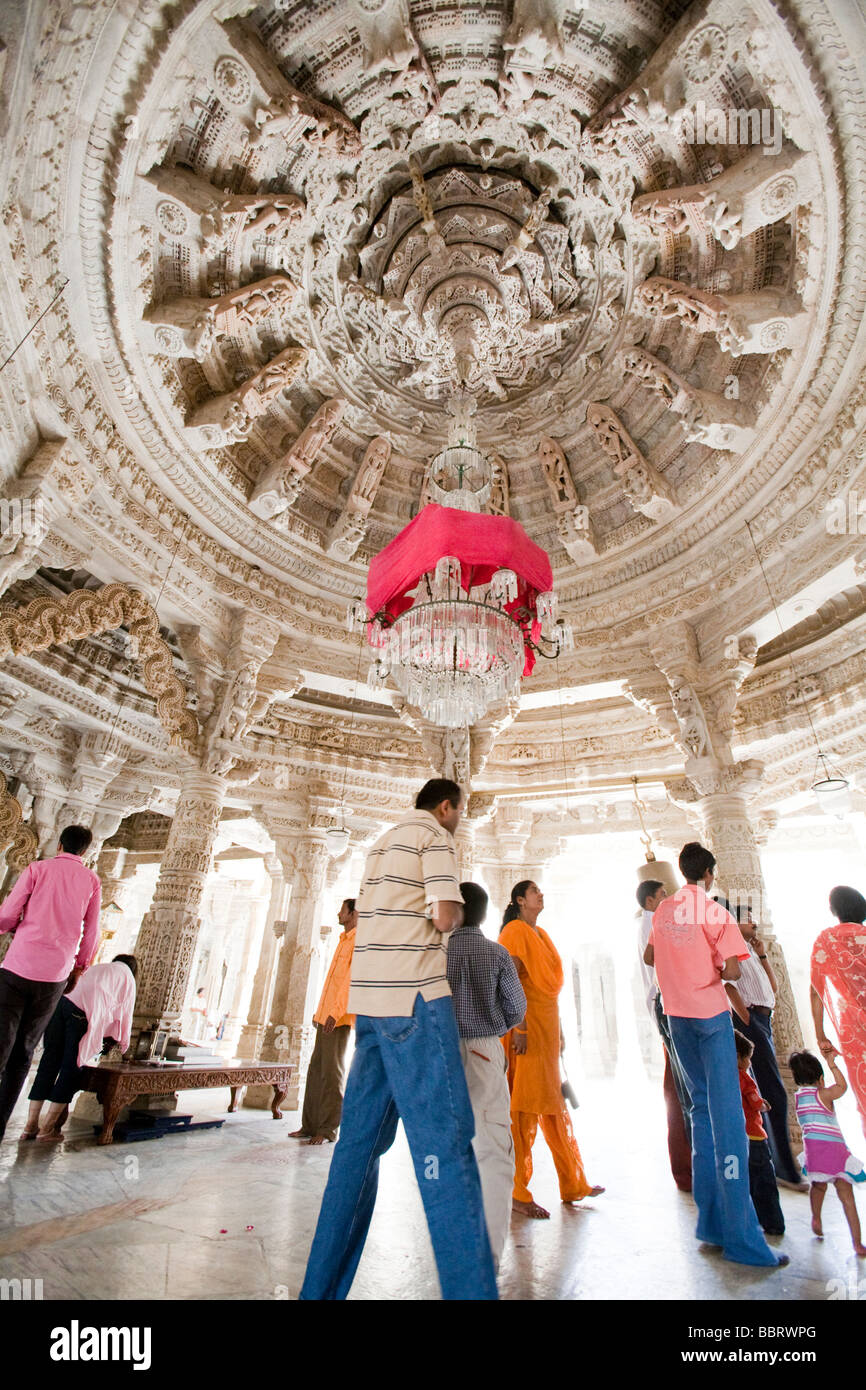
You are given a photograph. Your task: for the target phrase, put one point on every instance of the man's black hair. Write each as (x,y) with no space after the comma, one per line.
(647,889)
(349,903)
(128,961)
(437,790)
(694,861)
(75,839)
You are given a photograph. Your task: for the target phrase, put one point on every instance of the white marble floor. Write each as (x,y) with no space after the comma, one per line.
(230,1213)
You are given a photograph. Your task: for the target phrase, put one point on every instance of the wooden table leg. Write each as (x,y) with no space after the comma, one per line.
(279,1097)
(112,1104)
(234,1100)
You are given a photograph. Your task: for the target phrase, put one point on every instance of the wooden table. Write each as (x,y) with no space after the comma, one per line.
(116,1085)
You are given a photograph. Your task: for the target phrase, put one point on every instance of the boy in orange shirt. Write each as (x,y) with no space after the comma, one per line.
(762,1174)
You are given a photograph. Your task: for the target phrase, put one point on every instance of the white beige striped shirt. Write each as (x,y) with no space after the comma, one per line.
(399,954)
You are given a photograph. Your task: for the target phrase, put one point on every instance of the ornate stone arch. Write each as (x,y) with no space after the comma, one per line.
(24,844)
(86,612)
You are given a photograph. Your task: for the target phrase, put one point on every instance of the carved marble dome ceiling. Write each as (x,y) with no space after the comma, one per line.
(291,229)
(208,186)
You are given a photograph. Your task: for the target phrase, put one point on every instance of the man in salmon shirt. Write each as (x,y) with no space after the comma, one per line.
(46,909)
(694,945)
(326,1074)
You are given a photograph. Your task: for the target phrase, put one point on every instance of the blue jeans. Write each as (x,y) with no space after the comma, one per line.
(407,1069)
(720,1149)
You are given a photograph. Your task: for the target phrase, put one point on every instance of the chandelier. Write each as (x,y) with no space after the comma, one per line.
(460,603)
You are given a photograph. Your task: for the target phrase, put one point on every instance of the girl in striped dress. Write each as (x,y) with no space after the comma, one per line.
(828,1158)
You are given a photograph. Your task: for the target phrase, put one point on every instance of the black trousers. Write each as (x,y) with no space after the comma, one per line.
(25,1009)
(762,1186)
(58,1075)
(765,1069)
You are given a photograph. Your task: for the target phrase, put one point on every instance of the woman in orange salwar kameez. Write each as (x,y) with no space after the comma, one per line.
(839,985)
(533,1050)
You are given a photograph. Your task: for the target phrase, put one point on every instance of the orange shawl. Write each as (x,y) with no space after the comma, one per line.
(534,948)
(534,1075)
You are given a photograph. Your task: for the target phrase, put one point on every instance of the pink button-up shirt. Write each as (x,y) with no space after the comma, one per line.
(46,909)
(106,994)
(692,936)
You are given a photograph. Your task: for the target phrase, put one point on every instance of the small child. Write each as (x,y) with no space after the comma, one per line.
(828,1158)
(762,1174)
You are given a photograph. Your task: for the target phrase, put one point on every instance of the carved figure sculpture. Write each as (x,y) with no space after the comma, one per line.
(237,703)
(295,116)
(228,418)
(421,198)
(523,239)
(499,498)
(559,479)
(707,417)
(534,36)
(643,485)
(690,718)
(387,37)
(351,527)
(456,756)
(279,486)
(191,327)
(752,193)
(185,207)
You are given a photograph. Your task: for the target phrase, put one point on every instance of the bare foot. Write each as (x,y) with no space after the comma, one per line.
(27,1134)
(817,1228)
(319,1139)
(573,1201)
(529,1209)
(49,1136)
(299,1134)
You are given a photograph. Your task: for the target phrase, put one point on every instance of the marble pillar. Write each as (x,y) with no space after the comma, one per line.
(499,880)
(169,931)
(289,1033)
(251,1034)
(115,875)
(464,843)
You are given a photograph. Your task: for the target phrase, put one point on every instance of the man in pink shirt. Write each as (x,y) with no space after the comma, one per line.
(46,909)
(694,945)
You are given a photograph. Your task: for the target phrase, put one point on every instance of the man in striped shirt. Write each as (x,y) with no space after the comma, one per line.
(407,1063)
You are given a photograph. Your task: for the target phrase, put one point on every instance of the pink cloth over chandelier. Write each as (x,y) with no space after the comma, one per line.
(483,544)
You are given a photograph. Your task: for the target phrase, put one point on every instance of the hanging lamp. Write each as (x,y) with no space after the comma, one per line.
(655,870)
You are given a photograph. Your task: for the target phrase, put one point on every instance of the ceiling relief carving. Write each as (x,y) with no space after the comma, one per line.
(294,232)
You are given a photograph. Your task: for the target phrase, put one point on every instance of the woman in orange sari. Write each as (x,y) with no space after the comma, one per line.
(839,985)
(533,1050)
